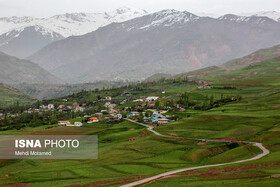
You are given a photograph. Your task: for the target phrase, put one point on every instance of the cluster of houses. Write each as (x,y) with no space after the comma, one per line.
(90,120)
(203,84)
(67,123)
(153,117)
(112,114)
(51,107)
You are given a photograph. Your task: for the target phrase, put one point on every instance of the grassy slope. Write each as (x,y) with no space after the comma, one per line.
(118,159)
(16,71)
(255,118)
(261,64)
(11,96)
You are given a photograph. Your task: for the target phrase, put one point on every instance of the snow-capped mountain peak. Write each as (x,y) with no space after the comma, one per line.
(256,20)
(164,18)
(270,14)
(71,23)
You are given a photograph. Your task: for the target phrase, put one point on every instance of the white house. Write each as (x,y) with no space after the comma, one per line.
(134,113)
(78,108)
(50,106)
(138,100)
(108,98)
(119,116)
(163,121)
(78,124)
(151,98)
(64,123)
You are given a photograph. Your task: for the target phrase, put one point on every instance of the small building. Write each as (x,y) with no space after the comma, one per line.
(61,106)
(163,111)
(202,82)
(78,124)
(64,123)
(43,107)
(151,105)
(134,113)
(79,109)
(158,115)
(93,120)
(98,114)
(154,119)
(107,104)
(151,98)
(138,100)
(108,98)
(119,116)
(113,111)
(50,106)
(163,121)
(182,109)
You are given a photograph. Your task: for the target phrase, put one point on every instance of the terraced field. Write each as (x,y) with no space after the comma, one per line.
(10,96)
(128,152)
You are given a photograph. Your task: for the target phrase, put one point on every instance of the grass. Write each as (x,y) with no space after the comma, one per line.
(11,96)
(118,157)
(255,118)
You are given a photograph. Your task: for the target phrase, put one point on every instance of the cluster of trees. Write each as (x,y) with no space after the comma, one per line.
(27,119)
(206,102)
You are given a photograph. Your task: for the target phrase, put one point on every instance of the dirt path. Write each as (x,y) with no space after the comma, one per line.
(157,177)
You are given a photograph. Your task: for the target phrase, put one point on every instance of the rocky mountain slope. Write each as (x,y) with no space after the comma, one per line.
(263,64)
(23,42)
(22,36)
(168,41)
(16,71)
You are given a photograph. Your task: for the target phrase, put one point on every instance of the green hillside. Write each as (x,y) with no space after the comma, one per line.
(240,104)
(258,56)
(158,76)
(261,67)
(11,96)
(17,71)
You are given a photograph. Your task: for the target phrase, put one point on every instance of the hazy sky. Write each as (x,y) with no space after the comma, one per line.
(46,8)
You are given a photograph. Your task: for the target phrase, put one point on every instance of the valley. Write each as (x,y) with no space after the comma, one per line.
(202,108)
(175,98)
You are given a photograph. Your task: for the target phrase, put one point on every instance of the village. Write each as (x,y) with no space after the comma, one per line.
(121,104)
(151,115)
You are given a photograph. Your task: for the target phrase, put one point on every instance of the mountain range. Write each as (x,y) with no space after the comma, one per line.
(130,44)
(167,41)
(22,36)
(270,14)
(35,33)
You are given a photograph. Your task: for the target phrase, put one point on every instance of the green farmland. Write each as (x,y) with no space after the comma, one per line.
(129,152)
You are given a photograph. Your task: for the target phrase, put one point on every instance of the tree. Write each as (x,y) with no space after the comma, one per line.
(141,117)
(211,100)
(157,104)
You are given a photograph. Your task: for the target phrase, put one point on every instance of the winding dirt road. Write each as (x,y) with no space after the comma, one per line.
(157,177)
